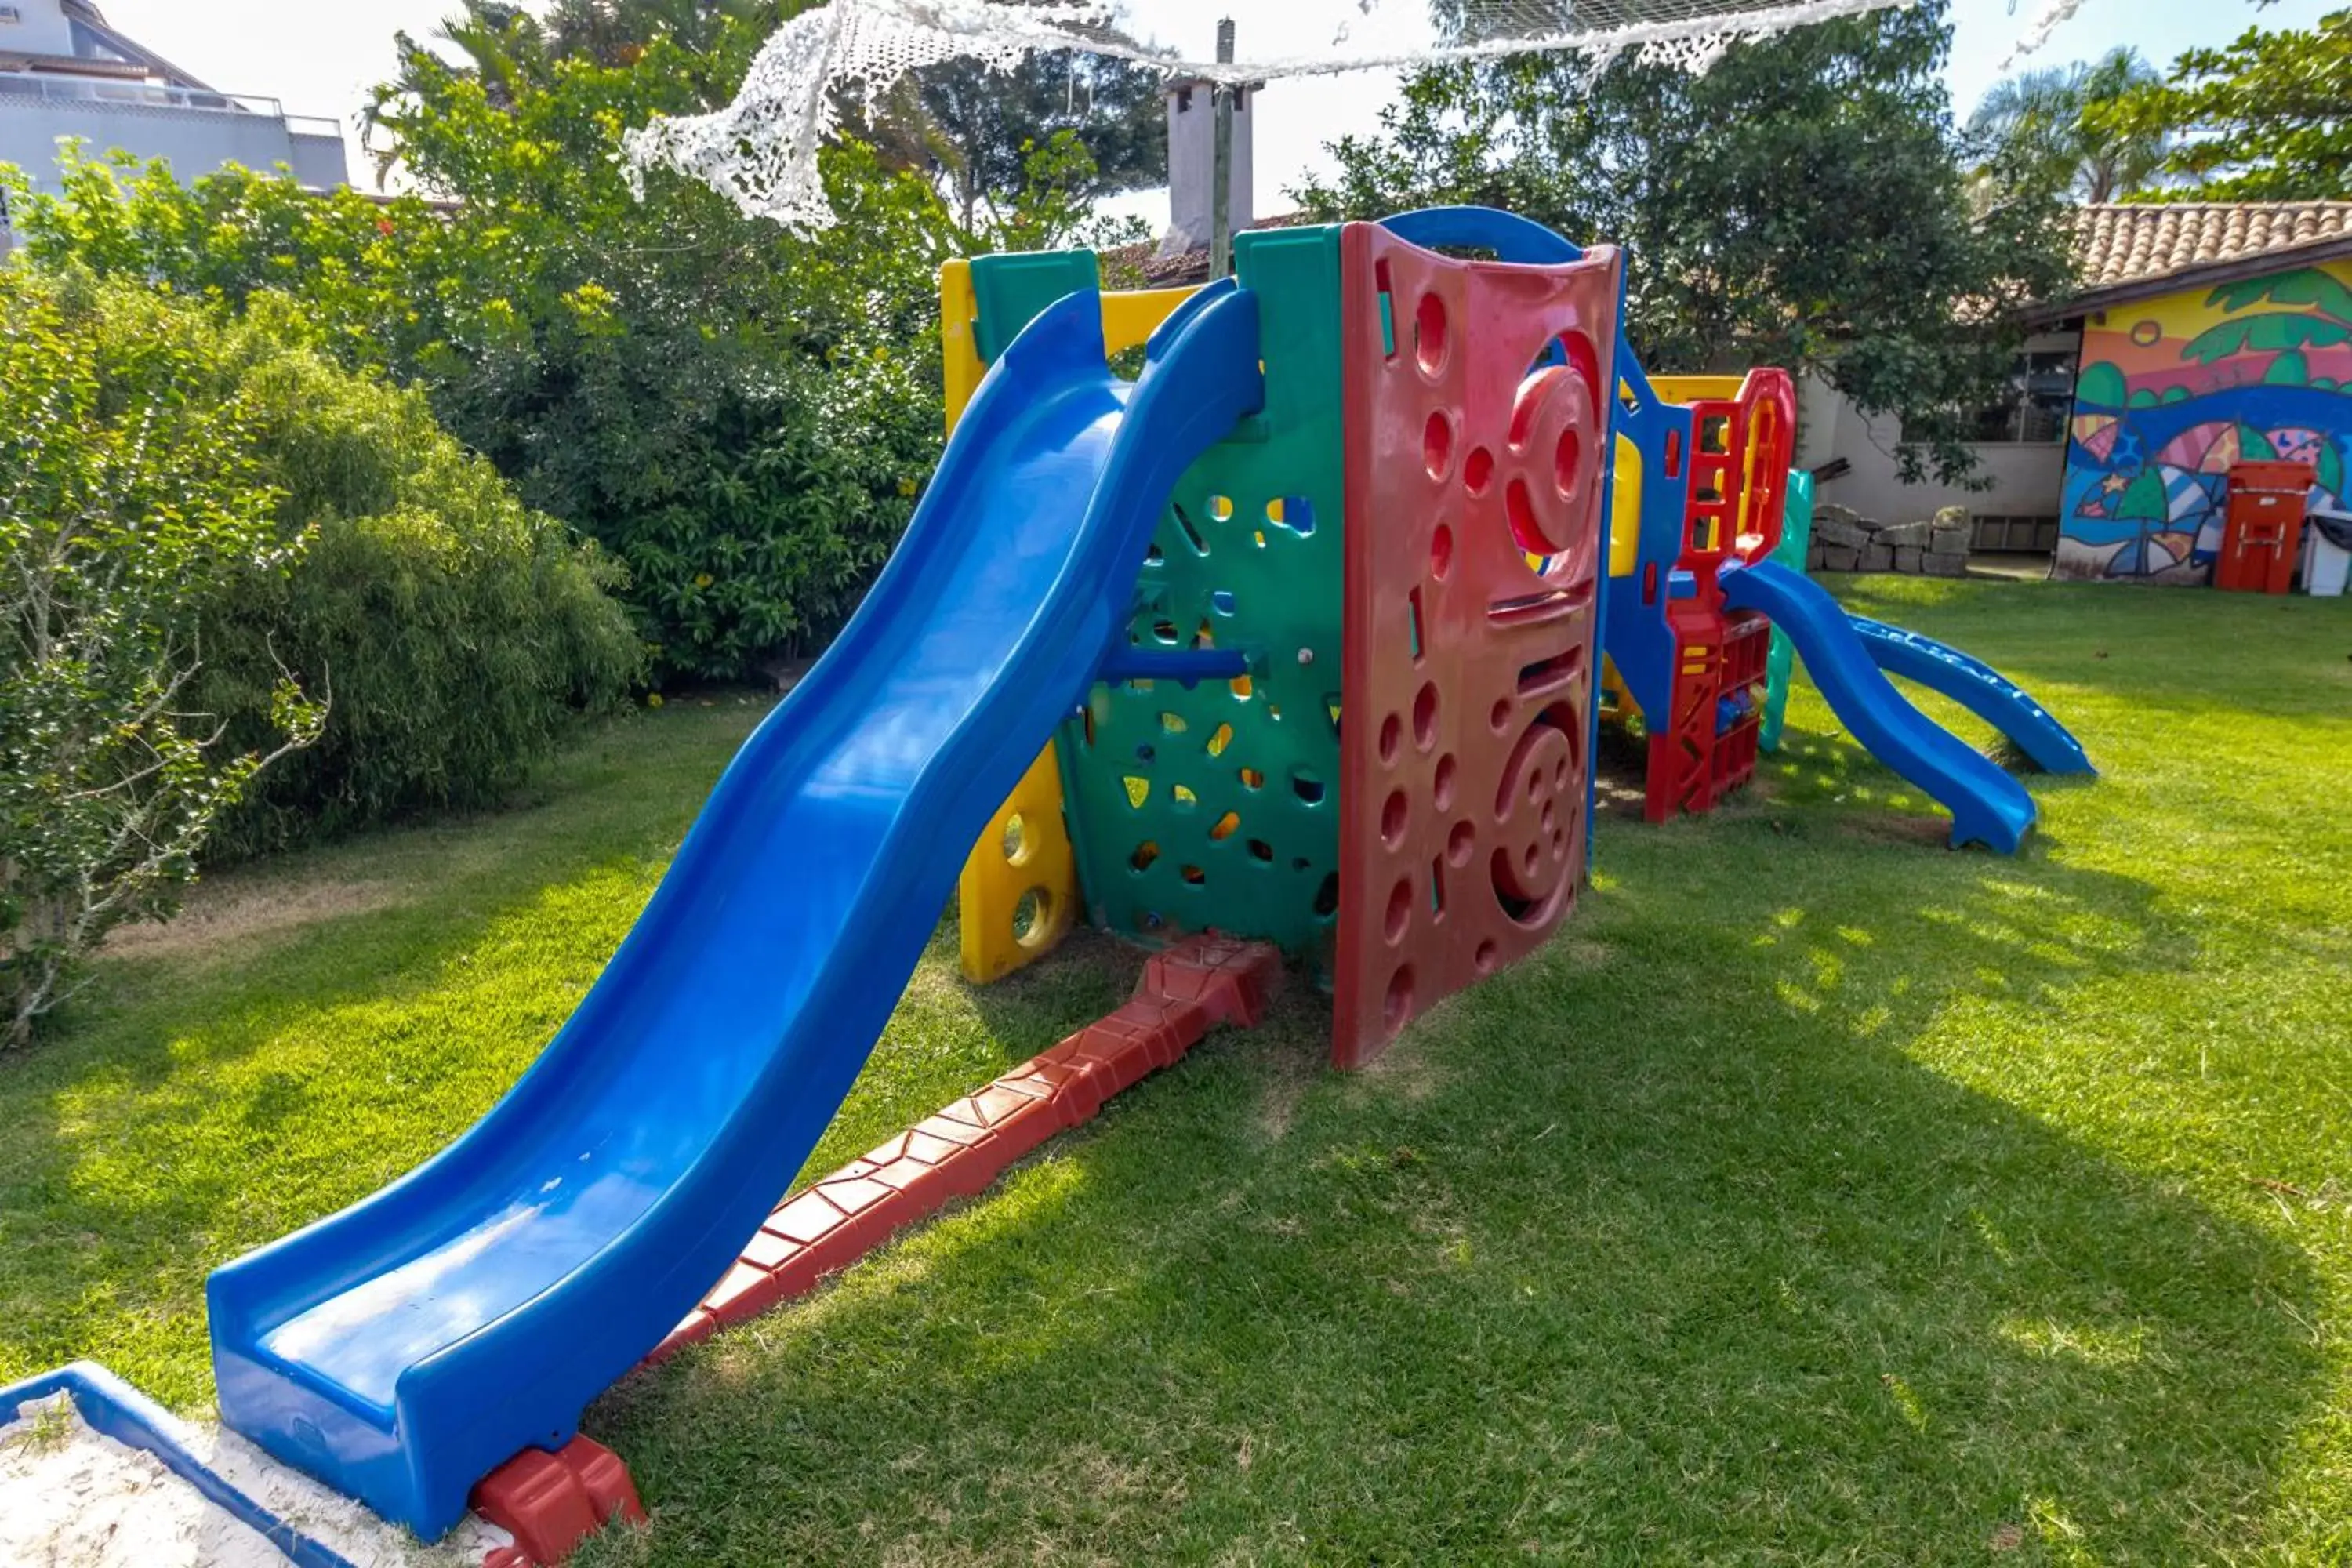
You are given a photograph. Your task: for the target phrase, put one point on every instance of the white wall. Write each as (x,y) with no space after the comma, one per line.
(2027,480)
(44,30)
(196,141)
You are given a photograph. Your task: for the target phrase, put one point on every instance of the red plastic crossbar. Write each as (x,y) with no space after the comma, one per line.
(1185,991)
(550,1503)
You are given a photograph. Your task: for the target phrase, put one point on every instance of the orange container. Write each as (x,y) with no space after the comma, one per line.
(2263,533)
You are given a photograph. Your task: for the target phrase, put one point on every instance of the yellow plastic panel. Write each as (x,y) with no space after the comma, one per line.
(1698,388)
(959,315)
(1019,894)
(1625,515)
(1617,702)
(1130,320)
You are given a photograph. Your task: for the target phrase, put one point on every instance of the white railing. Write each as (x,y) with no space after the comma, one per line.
(137,94)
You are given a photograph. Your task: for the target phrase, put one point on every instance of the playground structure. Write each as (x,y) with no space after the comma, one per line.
(1295,639)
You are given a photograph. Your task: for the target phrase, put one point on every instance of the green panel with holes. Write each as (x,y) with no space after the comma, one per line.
(1219,806)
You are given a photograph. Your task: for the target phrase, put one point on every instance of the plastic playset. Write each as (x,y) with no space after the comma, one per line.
(1292,646)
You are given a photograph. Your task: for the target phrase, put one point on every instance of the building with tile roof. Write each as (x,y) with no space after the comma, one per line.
(2201,336)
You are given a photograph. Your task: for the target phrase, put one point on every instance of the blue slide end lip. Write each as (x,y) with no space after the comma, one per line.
(1988,807)
(403,1349)
(1981,689)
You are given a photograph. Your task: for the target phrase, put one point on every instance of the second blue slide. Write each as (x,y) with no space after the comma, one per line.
(1988,807)
(1981,689)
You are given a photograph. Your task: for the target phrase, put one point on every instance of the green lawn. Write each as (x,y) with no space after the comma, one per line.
(1821,1196)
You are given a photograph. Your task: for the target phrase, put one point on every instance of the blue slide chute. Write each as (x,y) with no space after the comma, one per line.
(1988,807)
(403,1349)
(1981,689)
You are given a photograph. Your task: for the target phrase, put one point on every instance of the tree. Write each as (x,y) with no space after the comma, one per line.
(2044,130)
(2262,119)
(975,129)
(1801,204)
(125,504)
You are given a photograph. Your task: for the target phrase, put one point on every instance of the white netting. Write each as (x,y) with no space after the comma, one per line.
(2046,20)
(761,150)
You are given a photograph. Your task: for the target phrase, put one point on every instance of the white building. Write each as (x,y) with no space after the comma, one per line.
(64,72)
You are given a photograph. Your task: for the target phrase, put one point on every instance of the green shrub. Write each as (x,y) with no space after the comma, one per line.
(129,495)
(739,416)
(453,632)
(459,631)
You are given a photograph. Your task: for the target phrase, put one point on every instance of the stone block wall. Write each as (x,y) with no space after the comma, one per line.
(1844,540)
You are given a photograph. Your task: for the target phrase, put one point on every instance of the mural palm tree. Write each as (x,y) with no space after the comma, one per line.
(2316,314)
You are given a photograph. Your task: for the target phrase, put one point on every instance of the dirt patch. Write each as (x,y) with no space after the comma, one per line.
(1897,827)
(1580,952)
(218,914)
(1286,1085)
(1407,1069)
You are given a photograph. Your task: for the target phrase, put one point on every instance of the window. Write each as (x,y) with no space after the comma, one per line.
(2034,407)
(10,16)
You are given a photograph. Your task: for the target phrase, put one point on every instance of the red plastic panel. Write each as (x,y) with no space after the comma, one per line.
(1738,478)
(1467,699)
(1197,985)
(1736,500)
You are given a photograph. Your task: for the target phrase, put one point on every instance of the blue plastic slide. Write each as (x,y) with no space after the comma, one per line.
(403,1349)
(1988,807)
(1981,689)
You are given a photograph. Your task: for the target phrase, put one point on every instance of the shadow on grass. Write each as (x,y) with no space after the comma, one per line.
(1662,1247)
(199,1102)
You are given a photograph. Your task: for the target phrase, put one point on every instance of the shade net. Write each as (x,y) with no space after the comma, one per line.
(761,150)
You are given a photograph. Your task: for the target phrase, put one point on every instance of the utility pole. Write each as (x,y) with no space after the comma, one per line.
(1221,168)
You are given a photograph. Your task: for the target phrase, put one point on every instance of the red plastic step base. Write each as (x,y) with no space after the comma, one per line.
(1188,990)
(551,1502)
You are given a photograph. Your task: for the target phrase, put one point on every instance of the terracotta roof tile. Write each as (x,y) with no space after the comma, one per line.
(2116,244)
(1190,267)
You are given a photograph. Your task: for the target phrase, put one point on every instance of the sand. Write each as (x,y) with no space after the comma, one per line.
(72,1498)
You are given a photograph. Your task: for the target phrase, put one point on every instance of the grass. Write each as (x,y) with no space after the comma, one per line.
(1818,1196)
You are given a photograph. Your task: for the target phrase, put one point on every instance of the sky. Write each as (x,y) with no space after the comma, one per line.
(319,57)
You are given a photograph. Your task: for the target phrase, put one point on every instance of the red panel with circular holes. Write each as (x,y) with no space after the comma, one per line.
(1475,495)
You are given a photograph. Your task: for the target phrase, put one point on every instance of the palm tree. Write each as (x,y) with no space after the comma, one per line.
(2034,130)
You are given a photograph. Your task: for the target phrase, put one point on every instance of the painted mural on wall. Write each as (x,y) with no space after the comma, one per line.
(2175,391)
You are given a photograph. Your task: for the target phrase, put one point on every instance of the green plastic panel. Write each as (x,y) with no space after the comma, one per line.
(1218,805)
(1014,291)
(1780,667)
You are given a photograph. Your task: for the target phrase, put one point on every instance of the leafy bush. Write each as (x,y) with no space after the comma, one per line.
(459,631)
(129,496)
(738,417)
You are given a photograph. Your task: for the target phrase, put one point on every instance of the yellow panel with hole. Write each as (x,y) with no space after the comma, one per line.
(1012,908)
(1020,887)
(1016,907)
(1625,516)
